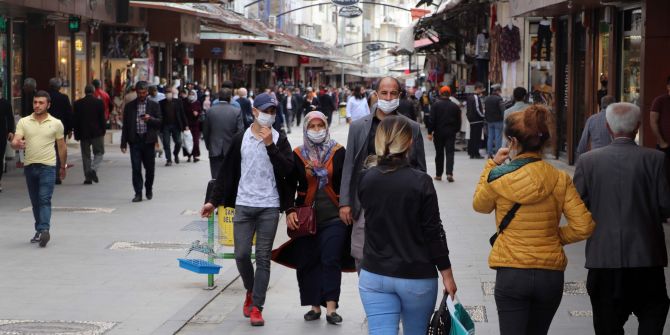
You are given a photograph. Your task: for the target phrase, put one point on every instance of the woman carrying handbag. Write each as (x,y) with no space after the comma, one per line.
(319,248)
(405,243)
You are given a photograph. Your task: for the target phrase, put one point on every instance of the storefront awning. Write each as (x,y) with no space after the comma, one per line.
(301,53)
(228,37)
(424,42)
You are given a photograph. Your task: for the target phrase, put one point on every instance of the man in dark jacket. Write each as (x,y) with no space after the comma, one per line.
(174,122)
(89,130)
(406,106)
(141,125)
(298,110)
(625,188)
(223,122)
(61,109)
(494,108)
(326,105)
(446,117)
(253,180)
(7,129)
(290,107)
(475,114)
(245,107)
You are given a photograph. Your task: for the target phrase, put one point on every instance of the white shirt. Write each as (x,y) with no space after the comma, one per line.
(288,102)
(258,187)
(357,108)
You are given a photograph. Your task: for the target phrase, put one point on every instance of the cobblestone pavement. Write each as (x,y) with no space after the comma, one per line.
(111,266)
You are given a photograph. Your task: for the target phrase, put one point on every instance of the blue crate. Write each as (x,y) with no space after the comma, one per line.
(199,266)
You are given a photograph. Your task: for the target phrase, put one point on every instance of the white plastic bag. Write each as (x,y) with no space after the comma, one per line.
(187,141)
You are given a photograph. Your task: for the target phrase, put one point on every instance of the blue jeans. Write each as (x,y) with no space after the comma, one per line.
(387,299)
(41,180)
(494,137)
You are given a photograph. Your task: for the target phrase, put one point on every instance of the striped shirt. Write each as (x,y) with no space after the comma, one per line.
(141,110)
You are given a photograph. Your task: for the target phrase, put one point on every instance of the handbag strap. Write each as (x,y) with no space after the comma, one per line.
(508,218)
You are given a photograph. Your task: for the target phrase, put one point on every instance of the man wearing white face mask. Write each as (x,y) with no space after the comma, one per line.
(360,145)
(253,180)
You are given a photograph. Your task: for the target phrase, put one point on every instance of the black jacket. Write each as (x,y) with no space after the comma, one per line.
(307,106)
(281,157)
(6,120)
(129,131)
(326,104)
(61,109)
(179,114)
(404,237)
(406,108)
(247,115)
(89,118)
(494,107)
(475,115)
(446,118)
(295,106)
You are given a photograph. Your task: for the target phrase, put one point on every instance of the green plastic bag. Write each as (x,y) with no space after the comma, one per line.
(461,323)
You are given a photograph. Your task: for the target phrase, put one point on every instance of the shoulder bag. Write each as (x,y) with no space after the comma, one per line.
(306,221)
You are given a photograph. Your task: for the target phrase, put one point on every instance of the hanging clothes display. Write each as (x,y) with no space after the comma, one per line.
(495,70)
(510,49)
(544,36)
(482,56)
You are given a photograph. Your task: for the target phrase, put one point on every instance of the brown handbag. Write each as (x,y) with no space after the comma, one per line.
(306,221)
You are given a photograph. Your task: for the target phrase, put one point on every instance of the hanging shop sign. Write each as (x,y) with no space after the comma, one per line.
(345,2)
(350,12)
(374,46)
(125,44)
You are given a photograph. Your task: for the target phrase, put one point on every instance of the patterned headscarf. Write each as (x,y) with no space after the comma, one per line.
(317,153)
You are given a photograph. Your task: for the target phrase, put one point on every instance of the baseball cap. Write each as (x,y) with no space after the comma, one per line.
(264,101)
(445,89)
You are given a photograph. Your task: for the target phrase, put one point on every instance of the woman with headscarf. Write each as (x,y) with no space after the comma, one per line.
(193,109)
(318,259)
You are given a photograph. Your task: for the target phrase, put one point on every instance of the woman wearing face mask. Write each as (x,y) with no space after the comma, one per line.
(193,109)
(528,252)
(319,259)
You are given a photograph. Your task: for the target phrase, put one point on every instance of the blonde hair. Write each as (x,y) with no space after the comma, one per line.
(393,138)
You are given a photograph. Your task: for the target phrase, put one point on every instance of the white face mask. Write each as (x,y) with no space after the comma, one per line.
(265,120)
(317,136)
(388,106)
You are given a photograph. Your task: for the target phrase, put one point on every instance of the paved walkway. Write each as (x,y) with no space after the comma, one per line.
(99,277)
(467,234)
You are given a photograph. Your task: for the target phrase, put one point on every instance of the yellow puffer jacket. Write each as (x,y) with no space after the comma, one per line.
(533,239)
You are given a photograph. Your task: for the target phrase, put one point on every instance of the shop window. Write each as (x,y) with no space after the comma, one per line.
(80,65)
(630,56)
(17,69)
(603,60)
(64,64)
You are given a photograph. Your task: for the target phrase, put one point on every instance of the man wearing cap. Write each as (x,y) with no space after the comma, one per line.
(253,180)
(446,122)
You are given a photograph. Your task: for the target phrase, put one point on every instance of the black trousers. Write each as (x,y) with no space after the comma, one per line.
(544,36)
(319,268)
(616,293)
(143,154)
(444,144)
(3,148)
(527,299)
(298,116)
(215,165)
(482,66)
(475,142)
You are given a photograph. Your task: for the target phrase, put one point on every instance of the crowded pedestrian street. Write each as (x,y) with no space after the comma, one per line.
(113,265)
(382,167)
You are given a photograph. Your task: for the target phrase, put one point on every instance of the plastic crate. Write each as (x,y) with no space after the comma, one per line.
(199,266)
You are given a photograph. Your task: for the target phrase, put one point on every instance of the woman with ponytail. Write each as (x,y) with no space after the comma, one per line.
(529,196)
(405,243)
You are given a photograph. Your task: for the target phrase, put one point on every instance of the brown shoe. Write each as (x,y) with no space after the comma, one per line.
(450,178)
(438,178)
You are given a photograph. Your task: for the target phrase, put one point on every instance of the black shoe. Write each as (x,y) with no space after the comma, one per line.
(87,182)
(150,195)
(44,238)
(58,182)
(312,315)
(176,159)
(168,163)
(333,318)
(94,176)
(137,198)
(196,159)
(35,238)
(189,159)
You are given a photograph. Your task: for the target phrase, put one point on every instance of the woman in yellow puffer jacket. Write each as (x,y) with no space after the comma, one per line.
(528,254)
